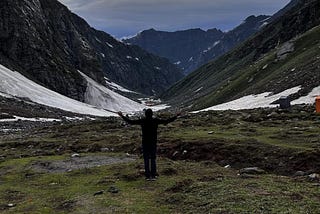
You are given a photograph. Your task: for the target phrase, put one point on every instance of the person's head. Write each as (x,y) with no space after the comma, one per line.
(148,113)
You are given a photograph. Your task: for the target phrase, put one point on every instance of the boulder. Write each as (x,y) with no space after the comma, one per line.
(251,171)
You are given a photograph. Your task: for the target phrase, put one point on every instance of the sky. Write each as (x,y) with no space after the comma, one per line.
(122,18)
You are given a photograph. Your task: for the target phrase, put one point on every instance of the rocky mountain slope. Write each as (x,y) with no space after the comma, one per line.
(285,54)
(189,49)
(47,43)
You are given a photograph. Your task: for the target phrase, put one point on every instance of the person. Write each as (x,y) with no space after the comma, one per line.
(149,126)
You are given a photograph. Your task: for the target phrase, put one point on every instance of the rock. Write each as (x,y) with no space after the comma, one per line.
(299,173)
(285,49)
(98,193)
(113,190)
(251,170)
(246,176)
(104,149)
(175,153)
(273,114)
(75,155)
(314,177)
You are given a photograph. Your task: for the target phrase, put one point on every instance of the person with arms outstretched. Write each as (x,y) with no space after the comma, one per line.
(149,126)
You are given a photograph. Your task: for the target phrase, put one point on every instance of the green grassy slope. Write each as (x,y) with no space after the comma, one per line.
(254,66)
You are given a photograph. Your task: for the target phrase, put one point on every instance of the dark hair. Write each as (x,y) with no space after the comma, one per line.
(148,113)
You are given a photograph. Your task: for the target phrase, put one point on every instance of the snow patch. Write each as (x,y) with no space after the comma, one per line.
(265,67)
(264,24)
(199,89)
(111,46)
(157,68)
(17,118)
(263,100)
(191,59)
(177,63)
(129,57)
(309,99)
(98,40)
(155,105)
(216,43)
(137,59)
(102,54)
(118,87)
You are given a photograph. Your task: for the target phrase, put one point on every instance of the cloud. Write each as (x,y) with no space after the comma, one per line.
(125,17)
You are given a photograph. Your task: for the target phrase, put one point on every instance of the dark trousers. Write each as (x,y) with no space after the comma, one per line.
(149,156)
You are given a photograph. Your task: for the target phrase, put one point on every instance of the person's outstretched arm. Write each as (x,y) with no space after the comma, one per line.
(171,119)
(128,120)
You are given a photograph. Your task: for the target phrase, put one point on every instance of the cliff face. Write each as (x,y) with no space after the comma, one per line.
(46,42)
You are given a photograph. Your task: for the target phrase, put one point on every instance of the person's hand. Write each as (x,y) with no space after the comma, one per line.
(120,114)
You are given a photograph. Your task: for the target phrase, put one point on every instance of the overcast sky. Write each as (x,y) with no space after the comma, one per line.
(127,17)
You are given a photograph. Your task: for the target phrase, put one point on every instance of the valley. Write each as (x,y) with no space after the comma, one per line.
(200,158)
(233,148)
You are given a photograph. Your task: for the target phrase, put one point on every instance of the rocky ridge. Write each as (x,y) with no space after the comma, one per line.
(189,49)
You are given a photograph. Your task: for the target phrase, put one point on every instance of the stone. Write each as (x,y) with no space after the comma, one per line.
(175,153)
(75,155)
(251,171)
(314,177)
(98,193)
(299,174)
(247,176)
(273,114)
(113,189)
(104,149)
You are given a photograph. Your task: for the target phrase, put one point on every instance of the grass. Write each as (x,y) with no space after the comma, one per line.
(196,187)
(193,152)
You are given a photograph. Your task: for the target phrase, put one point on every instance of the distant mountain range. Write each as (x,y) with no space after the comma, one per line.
(47,43)
(189,49)
(283,55)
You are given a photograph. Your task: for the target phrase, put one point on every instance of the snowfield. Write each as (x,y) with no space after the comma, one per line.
(264,100)
(102,97)
(309,99)
(14,84)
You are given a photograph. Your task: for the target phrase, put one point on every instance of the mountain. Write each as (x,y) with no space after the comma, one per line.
(48,44)
(288,7)
(283,55)
(189,49)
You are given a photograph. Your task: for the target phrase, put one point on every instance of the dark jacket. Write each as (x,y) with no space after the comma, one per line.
(149,127)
